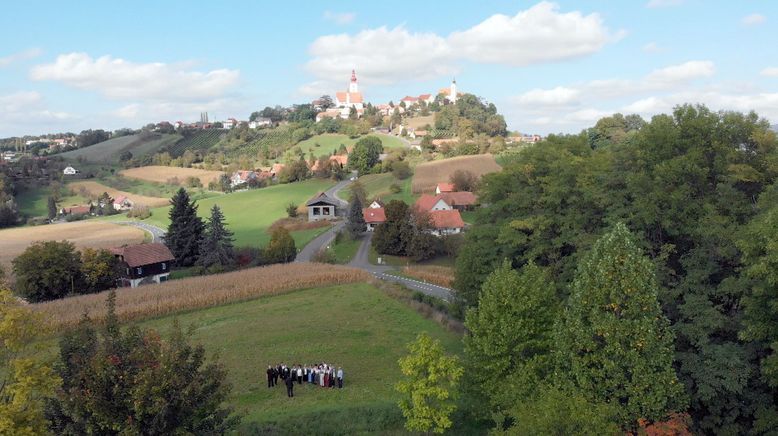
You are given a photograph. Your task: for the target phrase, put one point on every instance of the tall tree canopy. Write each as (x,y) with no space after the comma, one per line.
(185,231)
(216,249)
(685,184)
(365,154)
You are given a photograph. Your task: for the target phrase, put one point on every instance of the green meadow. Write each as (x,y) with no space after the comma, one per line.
(330,142)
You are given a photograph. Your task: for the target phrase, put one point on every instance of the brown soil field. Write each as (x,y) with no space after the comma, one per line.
(95,189)
(429,174)
(198,292)
(161,174)
(439,275)
(94,234)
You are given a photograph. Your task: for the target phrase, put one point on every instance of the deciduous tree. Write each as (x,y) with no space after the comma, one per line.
(48,270)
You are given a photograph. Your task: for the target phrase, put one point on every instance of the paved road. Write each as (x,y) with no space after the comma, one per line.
(388,273)
(321,241)
(156,233)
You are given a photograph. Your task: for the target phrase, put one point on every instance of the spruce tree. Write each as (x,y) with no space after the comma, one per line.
(216,249)
(615,345)
(52,206)
(185,230)
(509,345)
(356,221)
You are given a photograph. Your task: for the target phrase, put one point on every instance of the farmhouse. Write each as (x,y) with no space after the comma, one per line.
(69,171)
(340,160)
(143,264)
(374,215)
(322,207)
(276,169)
(445,219)
(122,203)
(242,177)
(76,210)
(431,203)
(444,187)
(260,122)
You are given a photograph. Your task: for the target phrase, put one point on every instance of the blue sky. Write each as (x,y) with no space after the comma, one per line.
(548,66)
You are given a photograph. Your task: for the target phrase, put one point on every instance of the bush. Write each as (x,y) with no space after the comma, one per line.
(394,188)
(173,181)
(75,217)
(248,257)
(140,211)
(193,182)
(324,256)
(291,210)
(401,170)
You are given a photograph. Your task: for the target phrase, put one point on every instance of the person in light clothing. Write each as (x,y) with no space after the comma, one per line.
(340,378)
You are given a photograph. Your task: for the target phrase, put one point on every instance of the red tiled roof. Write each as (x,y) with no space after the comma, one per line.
(340,158)
(446,187)
(354,97)
(459,198)
(426,201)
(425,96)
(120,199)
(144,254)
(78,210)
(374,215)
(277,168)
(446,219)
(409,98)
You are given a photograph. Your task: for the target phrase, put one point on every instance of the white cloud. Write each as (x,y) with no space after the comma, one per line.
(341,18)
(652,47)
(663,3)
(26,112)
(382,55)
(683,72)
(121,79)
(770,72)
(753,19)
(20,56)
(538,34)
(559,96)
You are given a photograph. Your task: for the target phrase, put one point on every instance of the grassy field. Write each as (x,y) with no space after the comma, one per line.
(82,233)
(161,174)
(250,213)
(345,249)
(429,174)
(353,326)
(419,122)
(110,150)
(35,201)
(330,142)
(377,186)
(96,188)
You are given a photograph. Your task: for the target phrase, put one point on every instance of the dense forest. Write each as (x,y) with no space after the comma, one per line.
(679,212)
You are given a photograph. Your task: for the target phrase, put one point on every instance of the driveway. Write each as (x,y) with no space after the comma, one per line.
(319,242)
(156,233)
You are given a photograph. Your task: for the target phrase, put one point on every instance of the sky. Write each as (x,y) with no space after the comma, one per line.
(550,67)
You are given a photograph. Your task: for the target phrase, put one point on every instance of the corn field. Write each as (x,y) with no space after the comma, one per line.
(438,275)
(198,292)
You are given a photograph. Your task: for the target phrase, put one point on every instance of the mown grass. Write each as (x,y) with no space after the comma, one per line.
(354,326)
(249,213)
(378,186)
(345,249)
(35,201)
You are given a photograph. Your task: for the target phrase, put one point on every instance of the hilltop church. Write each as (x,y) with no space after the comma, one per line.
(345,100)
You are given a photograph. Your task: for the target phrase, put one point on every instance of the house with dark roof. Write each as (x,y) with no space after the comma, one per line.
(143,264)
(322,207)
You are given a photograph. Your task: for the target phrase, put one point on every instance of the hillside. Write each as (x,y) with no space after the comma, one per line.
(428,174)
(330,142)
(108,152)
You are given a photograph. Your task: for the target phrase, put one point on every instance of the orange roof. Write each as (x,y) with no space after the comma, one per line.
(409,98)
(78,210)
(459,198)
(426,201)
(374,215)
(445,187)
(120,199)
(425,96)
(446,219)
(340,158)
(276,168)
(353,97)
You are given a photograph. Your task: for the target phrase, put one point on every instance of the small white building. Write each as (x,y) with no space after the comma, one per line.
(260,122)
(70,171)
(241,178)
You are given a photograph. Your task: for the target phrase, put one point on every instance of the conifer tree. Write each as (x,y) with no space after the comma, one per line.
(510,336)
(216,248)
(185,230)
(356,221)
(615,345)
(52,206)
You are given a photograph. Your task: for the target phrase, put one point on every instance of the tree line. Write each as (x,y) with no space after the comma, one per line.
(684,209)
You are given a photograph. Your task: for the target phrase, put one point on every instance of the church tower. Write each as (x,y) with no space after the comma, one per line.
(453,91)
(352,87)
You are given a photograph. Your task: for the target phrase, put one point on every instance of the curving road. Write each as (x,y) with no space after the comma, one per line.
(156,233)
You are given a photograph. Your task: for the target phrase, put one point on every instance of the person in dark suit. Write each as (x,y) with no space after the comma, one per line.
(276,375)
(270,376)
(289,387)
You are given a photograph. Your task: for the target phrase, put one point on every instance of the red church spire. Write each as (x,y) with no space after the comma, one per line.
(353,76)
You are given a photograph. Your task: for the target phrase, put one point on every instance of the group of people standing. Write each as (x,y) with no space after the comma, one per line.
(322,374)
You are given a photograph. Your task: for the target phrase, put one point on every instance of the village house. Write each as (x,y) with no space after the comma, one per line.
(70,171)
(276,169)
(143,264)
(242,177)
(445,219)
(230,123)
(260,122)
(76,210)
(322,207)
(444,187)
(340,159)
(409,101)
(122,203)
(374,215)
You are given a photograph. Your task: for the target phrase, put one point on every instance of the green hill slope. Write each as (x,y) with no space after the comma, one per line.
(108,152)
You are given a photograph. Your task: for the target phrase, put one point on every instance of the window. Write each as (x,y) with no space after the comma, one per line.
(164,266)
(139,270)
(316,211)
(325,211)
(128,271)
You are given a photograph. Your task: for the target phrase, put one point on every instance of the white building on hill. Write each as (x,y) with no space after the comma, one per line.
(345,100)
